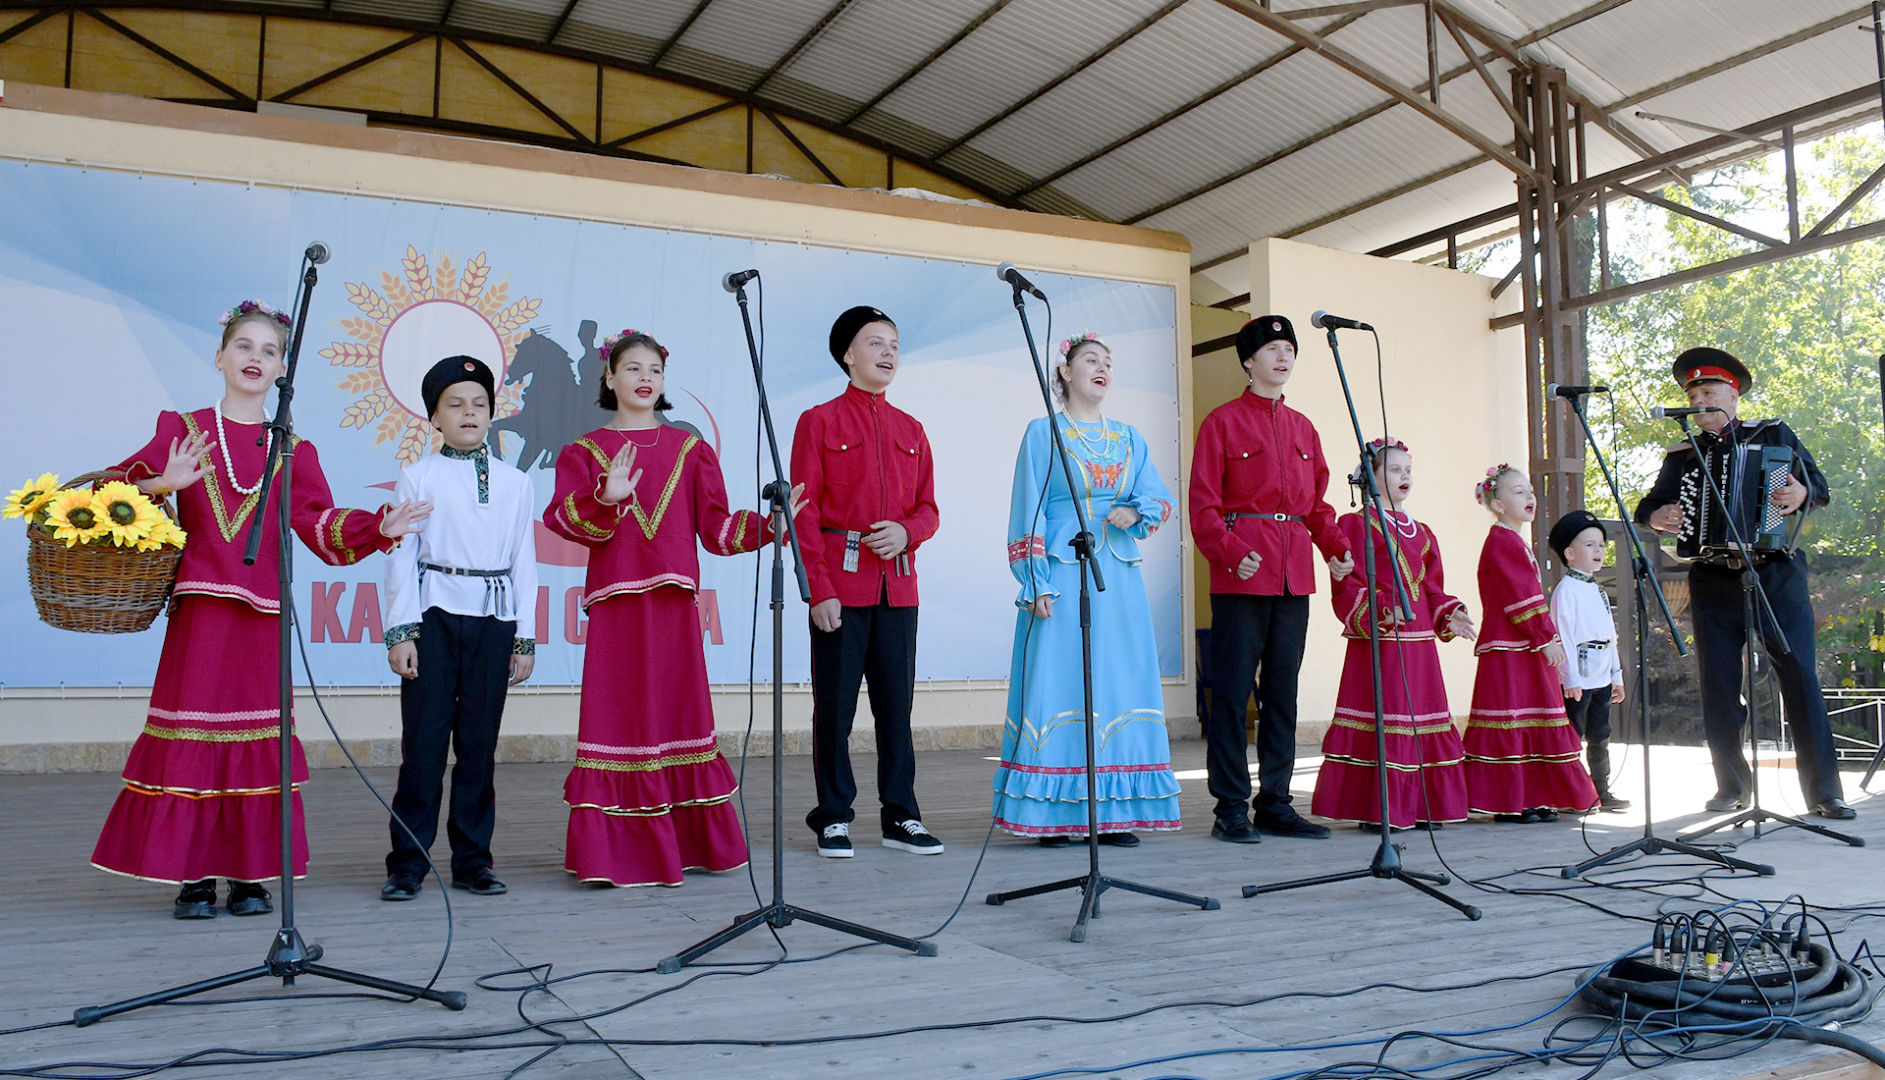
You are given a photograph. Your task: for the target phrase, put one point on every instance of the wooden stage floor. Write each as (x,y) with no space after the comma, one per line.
(72,936)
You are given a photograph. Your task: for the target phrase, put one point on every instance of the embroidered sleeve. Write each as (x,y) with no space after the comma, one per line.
(402,632)
(721,531)
(523,646)
(1148,494)
(576,510)
(1350,595)
(1434,586)
(339,536)
(400,602)
(1027,515)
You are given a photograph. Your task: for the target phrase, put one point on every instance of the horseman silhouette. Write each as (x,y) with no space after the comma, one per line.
(558,407)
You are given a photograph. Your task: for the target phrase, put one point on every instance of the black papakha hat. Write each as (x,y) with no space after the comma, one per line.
(1569,527)
(844,331)
(1703,364)
(456,369)
(1262,330)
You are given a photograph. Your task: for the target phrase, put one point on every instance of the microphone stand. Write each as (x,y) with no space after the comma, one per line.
(288,956)
(1387,857)
(1092,883)
(777,913)
(1751,589)
(1643,575)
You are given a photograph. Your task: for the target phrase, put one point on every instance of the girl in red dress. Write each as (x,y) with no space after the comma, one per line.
(648,797)
(202,787)
(1426,782)
(1522,756)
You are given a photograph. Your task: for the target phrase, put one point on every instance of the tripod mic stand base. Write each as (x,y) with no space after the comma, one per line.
(1386,867)
(780,914)
(1757,816)
(288,957)
(1656,845)
(1091,885)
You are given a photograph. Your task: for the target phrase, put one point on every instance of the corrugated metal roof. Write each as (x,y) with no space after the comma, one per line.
(1173,130)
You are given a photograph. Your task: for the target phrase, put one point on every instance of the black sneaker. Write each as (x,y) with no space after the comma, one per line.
(1281,819)
(1235,829)
(910,835)
(248,898)
(399,887)
(196,900)
(835,841)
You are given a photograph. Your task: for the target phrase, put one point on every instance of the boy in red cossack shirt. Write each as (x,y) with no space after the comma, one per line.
(1258,502)
(870,502)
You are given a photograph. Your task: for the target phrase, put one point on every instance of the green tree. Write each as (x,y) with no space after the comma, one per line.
(1810,330)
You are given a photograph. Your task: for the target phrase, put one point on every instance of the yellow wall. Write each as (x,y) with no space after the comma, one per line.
(53,729)
(1455,394)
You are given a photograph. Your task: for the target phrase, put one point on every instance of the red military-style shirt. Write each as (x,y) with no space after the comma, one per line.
(861,460)
(1257,455)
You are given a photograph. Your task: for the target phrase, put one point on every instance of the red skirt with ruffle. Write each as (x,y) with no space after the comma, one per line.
(1426,781)
(1521,751)
(649,796)
(202,787)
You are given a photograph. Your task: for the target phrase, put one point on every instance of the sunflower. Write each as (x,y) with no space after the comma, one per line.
(31,499)
(74,517)
(128,515)
(163,531)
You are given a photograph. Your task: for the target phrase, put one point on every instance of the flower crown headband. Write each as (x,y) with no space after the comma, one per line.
(255,307)
(609,343)
(1483,491)
(1377,446)
(1082,338)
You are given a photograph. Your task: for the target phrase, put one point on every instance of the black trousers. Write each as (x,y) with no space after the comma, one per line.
(1720,637)
(1253,637)
(1590,715)
(458,699)
(877,643)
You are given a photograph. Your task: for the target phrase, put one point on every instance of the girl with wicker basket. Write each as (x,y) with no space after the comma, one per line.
(202,787)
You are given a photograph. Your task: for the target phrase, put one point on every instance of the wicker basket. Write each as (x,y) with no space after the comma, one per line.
(98,590)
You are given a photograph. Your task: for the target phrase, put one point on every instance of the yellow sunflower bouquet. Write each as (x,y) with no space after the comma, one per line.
(99,560)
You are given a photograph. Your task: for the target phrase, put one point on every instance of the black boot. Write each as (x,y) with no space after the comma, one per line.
(196,900)
(1598,754)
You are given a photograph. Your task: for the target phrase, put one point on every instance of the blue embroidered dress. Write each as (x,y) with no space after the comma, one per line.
(1040,787)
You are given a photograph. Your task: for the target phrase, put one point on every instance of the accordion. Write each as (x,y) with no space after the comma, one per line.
(1748,474)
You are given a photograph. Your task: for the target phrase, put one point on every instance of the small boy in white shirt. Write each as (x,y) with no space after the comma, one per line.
(1581,609)
(461,607)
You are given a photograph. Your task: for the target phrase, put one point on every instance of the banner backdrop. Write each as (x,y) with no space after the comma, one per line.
(111,285)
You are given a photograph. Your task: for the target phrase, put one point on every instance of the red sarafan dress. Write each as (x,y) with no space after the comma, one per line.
(1521,752)
(202,787)
(648,797)
(1426,781)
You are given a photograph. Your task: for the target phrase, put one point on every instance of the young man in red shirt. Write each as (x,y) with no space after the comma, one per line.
(870,502)
(1258,501)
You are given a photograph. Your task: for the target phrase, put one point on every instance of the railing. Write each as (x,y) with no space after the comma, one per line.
(1852,704)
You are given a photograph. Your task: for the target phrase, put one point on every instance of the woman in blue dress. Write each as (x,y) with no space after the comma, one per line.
(1041,788)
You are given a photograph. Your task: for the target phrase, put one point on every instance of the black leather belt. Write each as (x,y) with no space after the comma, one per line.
(1231,519)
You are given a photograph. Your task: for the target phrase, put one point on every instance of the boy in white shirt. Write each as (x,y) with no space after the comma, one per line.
(1581,609)
(460,605)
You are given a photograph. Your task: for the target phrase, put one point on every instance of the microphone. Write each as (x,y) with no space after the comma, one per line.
(734,280)
(1573,392)
(1661,413)
(1009,274)
(1322,320)
(317,253)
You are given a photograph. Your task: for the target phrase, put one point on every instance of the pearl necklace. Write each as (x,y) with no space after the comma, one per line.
(1412,528)
(222,442)
(1080,433)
